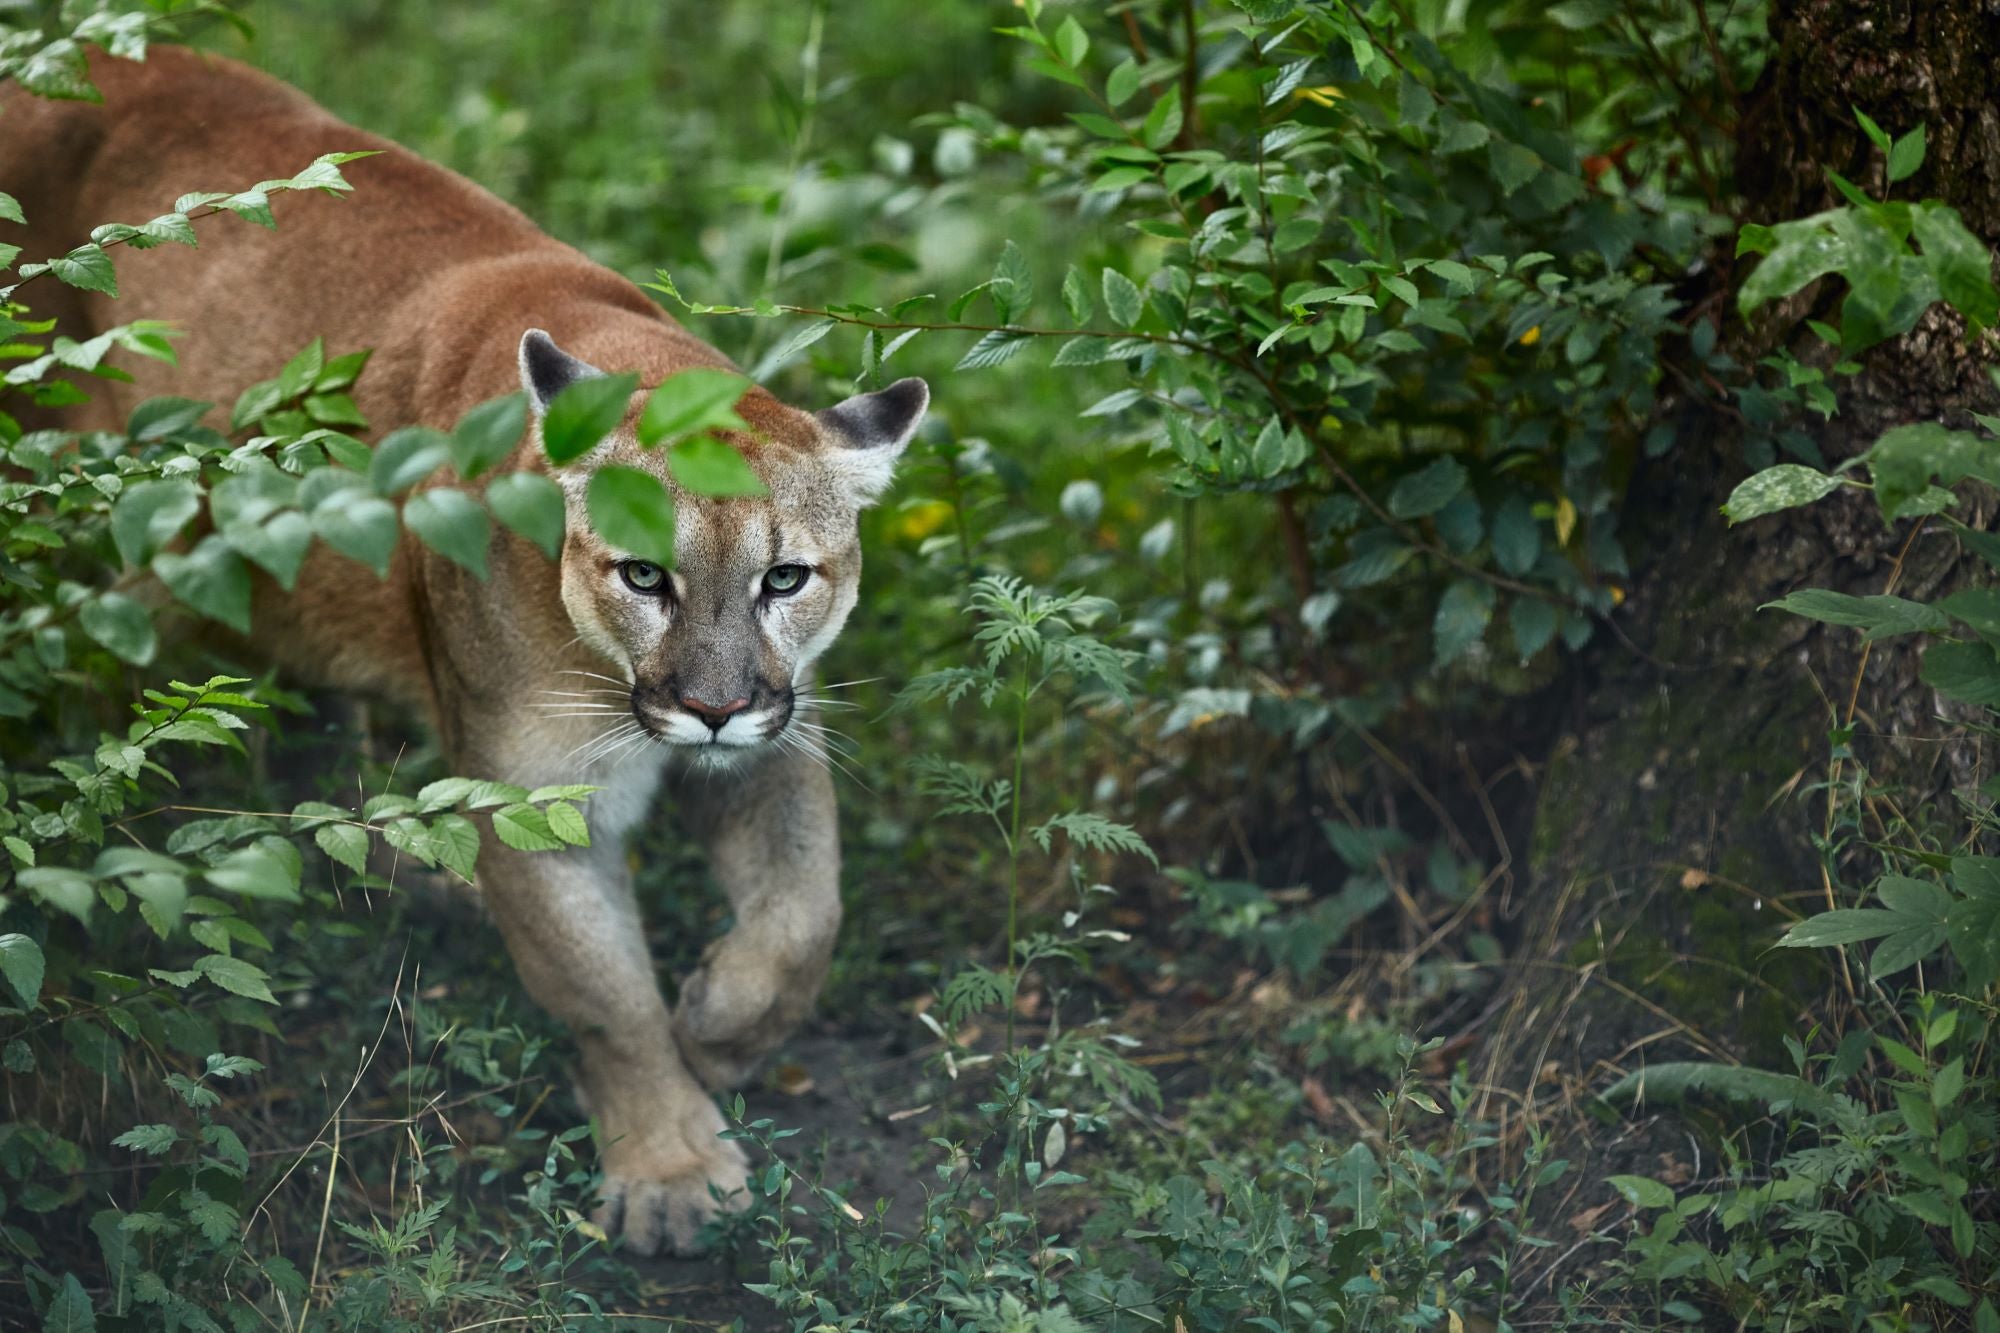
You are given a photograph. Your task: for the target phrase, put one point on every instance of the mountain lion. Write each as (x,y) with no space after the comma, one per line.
(462,299)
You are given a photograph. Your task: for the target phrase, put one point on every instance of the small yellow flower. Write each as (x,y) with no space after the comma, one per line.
(921,520)
(1324,95)
(1532,336)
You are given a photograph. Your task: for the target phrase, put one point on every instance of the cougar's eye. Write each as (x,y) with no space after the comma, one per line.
(784,580)
(643,577)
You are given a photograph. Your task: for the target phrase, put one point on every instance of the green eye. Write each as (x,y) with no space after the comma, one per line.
(784,580)
(643,577)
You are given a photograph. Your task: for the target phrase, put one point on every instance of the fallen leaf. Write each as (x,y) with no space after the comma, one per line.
(792,1080)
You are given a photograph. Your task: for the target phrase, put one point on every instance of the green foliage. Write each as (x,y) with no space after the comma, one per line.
(1886,1135)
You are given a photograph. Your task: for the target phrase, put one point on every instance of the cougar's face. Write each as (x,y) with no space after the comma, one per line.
(716,647)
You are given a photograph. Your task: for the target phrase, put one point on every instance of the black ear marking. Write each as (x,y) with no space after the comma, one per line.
(885,419)
(546,369)
(868,433)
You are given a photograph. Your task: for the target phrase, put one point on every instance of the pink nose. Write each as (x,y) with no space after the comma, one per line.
(713,714)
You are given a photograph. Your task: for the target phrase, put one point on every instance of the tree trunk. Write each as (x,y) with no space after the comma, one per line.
(1672,835)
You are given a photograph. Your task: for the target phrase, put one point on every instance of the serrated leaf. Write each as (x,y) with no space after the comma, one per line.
(236,976)
(993,348)
(22,964)
(345,844)
(1431,488)
(1122,299)
(525,829)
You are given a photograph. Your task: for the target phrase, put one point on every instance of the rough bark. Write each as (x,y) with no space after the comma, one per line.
(1675,813)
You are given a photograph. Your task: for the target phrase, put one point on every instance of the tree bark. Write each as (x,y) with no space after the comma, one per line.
(1672,837)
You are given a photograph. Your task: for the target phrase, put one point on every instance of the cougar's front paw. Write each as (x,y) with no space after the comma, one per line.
(657,1194)
(728,1019)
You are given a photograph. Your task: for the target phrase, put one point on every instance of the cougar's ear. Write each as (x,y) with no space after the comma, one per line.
(546,369)
(868,433)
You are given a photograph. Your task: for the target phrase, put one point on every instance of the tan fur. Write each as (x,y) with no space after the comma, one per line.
(442,279)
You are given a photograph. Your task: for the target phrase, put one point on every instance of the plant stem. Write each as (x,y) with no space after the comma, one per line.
(1014,849)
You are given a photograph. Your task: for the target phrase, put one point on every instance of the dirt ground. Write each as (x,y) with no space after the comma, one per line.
(847,1094)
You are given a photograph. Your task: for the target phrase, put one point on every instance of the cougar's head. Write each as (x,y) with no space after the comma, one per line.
(716,647)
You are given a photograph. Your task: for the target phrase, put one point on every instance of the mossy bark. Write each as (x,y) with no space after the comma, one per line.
(1674,825)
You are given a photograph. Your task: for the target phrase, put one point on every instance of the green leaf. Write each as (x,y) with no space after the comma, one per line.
(451,523)
(21,963)
(1122,299)
(405,457)
(455,842)
(531,505)
(486,434)
(1462,616)
(345,844)
(1785,486)
(1427,490)
(70,891)
(87,267)
(1845,925)
(122,625)
(1533,622)
(1880,616)
(1905,460)
(1163,122)
(1906,155)
(360,526)
(1968,672)
(236,976)
(1642,1192)
(257,871)
(10,209)
(69,1309)
(212,579)
(1976,607)
(699,399)
(1972,924)
(708,466)
(1119,85)
(1516,536)
(149,515)
(1960,262)
(1876,134)
(994,347)
(585,413)
(632,511)
(567,823)
(1795,253)
(1513,166)
(525,829)
(1072,43)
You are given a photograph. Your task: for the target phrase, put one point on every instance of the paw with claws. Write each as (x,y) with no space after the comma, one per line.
(661,1185)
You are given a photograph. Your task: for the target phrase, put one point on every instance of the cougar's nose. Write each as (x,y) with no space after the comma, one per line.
(713,714)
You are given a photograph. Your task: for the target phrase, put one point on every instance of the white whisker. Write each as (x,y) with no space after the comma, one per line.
(598,675)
